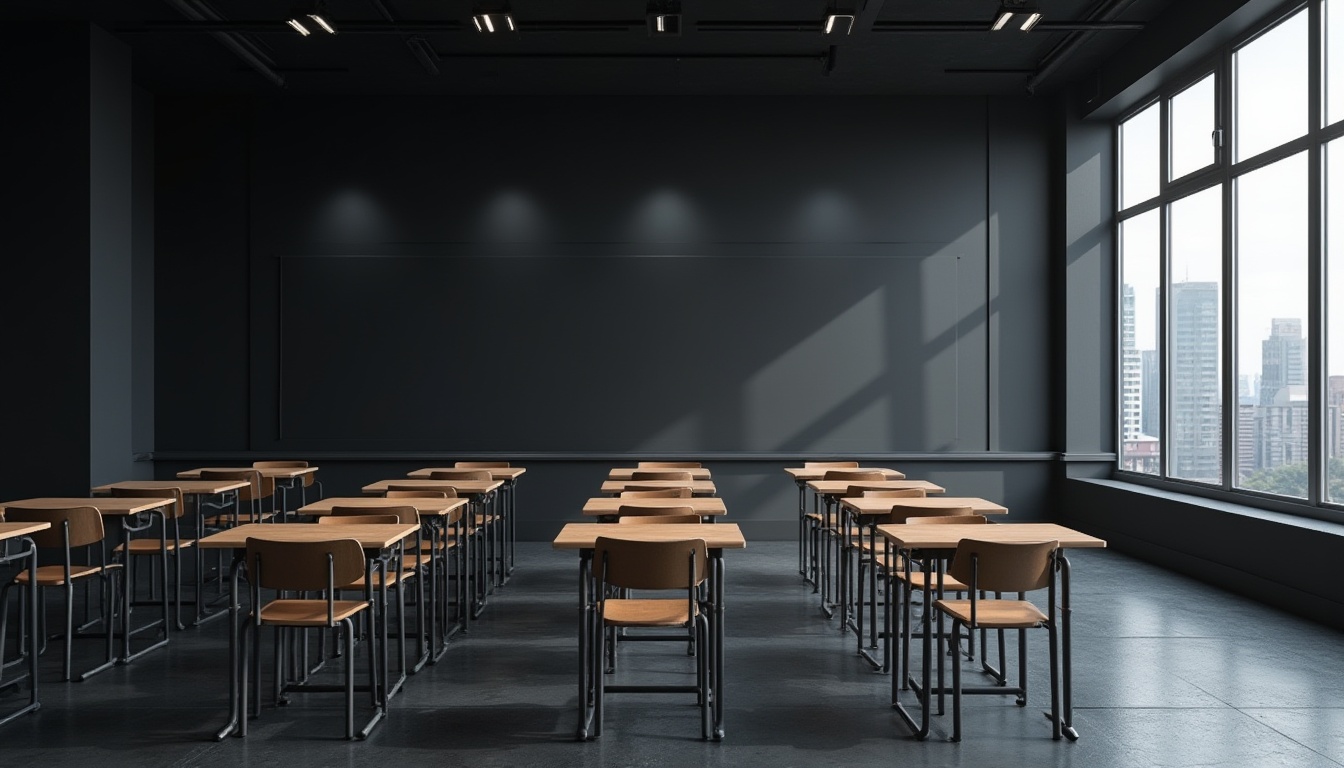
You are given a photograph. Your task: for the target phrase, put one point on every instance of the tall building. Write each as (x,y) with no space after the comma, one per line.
(1131,389)
(1283,358)
(1281,431)
(1150,422)
(1334,409)
(1194,448)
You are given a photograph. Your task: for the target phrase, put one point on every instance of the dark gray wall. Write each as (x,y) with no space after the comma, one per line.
(585,280)
(142,278)
(45,266)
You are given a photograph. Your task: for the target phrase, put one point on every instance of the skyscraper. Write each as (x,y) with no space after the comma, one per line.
(1131,389)
(1283,358)
(1151,421)
(1195,445)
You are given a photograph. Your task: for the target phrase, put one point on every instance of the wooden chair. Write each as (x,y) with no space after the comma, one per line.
(660,493)
(170,545)
(249,498)
(447,546)
(461,474)
(659,519)
(481,464)
(826,532)
(661,474)
(954,519)
(314,566)
(831,464)
(357,519)
(622,564)
(668,465)
(71,528)
(485,528)
(308,480)
(999,567)
(645,514)
(684,492)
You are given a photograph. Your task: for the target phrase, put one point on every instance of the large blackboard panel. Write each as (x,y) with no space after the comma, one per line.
(601,354)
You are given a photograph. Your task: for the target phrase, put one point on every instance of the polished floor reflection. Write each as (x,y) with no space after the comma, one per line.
(1169,672)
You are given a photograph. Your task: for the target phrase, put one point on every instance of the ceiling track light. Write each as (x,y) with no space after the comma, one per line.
(297,26)
(320,21)
(1015,9)
(310,13)
(838,23)
(489,23)
(664,18)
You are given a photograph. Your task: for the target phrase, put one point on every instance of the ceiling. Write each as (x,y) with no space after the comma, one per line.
(600,47)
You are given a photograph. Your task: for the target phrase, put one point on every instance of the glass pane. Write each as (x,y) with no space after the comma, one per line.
(1140,373)
(1271,88)
(1273,409)
(1194,438)
(1140,156)
(1334,312)
(1334,60)
(1193,121)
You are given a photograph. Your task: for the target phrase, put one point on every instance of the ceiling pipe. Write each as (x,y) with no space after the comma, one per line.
(419,48)
(1107,11)
(231,40)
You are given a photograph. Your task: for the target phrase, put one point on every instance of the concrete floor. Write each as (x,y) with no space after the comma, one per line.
(1169,672)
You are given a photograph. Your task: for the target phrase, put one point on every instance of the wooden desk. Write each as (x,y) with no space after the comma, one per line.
(930,542)
(275,473)
(461,487)
(583,537)
(509,505)
(801,476)
(698,487)
(838,487)
(607,506)
(625,473)
(376,540)
(871,505)
(805,474)
(439,517)
(27,551)
(128,511)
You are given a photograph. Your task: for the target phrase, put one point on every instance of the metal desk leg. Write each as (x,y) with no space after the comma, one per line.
(717,672)
(235,700)
(920,730)
(587,667)
(29,553)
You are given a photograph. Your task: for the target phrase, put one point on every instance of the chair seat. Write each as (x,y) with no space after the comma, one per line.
(308,613)
(411,562)
(151,546)
(392,578)
(649,612)
(917,578)
(54,575)
(994,614)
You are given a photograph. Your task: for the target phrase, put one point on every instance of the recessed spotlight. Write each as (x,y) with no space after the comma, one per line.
(837,23)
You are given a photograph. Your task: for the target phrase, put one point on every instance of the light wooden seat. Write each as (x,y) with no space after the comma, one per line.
(661,474)
(624,564)
(669,465)
(659,493)
(659,519)
(639,487)
(461,474)
(998,567)
(71,528)
(171,542)
(249,498)
(357,519)
(308,479)
(635,510)
(308,566)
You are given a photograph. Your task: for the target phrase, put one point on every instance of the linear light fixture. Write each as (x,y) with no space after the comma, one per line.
(664,18)
(1010,10)
(322,22)
(297,26)
(490,23)
(838,22)
(313,13)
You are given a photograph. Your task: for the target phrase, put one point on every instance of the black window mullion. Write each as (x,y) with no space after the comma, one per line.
(1317,455)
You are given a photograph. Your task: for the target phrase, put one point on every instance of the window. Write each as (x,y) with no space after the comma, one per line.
(1228,298)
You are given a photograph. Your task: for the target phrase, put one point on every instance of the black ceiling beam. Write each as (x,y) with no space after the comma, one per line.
(277,26)
(931,27)
(1105,11)
(234,41)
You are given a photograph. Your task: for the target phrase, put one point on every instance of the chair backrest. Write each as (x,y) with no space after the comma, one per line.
(179,506)
(651,564)
(303,565)
(895,493)
(403,513)
(946,520)
(668,465)
(659,519)
(84,524)
(481,464)
(661,474)
(853,474)
(637,487)
(661,493)
(997,566)
(461,474)
(635,510)
(286,464)
(261,487)
(902,514)
(412,490)
(353,519)
(831,464)
(421,494)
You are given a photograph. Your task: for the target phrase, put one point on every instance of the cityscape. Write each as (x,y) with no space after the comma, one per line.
(1273,407)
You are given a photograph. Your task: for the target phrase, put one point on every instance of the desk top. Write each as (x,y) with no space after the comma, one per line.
(947,536)
(379,536)
(424,506)
(106,505)
(462,487)
(803,474)
(14,530)
(837,487)
(496,473)
(876,505)
(703,505)
(624,473)
(584,535)
(189,487)
(272,472)
(698,487)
